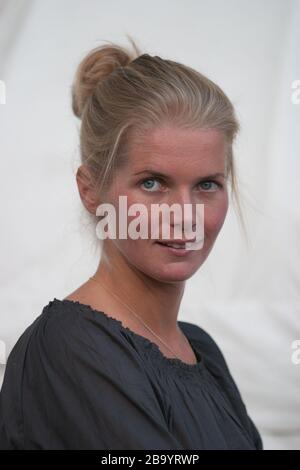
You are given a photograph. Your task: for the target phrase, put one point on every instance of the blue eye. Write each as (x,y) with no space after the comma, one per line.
(209,182)
(149,187)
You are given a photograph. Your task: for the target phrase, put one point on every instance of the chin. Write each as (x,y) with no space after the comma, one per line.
(169,273)
(165,268)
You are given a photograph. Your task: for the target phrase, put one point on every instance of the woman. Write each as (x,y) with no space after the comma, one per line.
(109,366)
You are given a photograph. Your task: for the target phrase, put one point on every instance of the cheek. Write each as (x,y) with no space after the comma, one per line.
(215,215)
(136,253)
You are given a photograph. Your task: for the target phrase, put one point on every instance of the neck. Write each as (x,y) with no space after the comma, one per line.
(156,302)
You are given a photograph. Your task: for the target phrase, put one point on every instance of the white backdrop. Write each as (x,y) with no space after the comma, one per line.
(246,297)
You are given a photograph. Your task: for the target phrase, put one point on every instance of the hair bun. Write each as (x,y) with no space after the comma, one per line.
(95,67)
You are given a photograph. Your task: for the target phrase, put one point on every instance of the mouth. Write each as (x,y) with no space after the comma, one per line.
(176,248)
(173,245)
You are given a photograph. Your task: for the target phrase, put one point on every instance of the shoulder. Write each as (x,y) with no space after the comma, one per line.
(213,357)
(69,339)
(206,342)
(63,323)
(65,343)
(42,340)
(195,331)
(52,328)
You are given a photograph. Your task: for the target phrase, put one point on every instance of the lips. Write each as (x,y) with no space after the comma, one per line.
(171,249)
(175,243)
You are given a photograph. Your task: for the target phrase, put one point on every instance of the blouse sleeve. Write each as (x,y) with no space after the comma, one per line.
(77,395)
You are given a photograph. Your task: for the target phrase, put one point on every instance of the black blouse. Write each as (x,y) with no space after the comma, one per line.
(78,379)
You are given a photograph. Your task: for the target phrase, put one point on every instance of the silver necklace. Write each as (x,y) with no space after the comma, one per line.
(137,316)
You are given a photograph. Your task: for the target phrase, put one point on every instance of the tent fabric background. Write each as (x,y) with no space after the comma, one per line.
(245,296)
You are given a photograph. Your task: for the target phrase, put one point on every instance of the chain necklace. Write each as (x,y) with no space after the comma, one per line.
(137,316)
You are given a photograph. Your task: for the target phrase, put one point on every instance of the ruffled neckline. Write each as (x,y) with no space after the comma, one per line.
(170,363)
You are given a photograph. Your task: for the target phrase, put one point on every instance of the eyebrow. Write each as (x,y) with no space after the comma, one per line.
(157,173)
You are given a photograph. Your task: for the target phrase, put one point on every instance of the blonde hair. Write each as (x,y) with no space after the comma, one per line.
(120,95)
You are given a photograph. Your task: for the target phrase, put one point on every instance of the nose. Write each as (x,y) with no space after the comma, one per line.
(189,216)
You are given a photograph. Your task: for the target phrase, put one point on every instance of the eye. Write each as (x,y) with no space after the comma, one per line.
(210,182)
(149,187)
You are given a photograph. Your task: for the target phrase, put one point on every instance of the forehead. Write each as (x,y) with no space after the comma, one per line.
(168,147)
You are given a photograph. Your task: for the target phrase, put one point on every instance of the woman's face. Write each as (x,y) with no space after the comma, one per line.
(186,159)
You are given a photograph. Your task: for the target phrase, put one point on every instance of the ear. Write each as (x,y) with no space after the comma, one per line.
(86,189)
